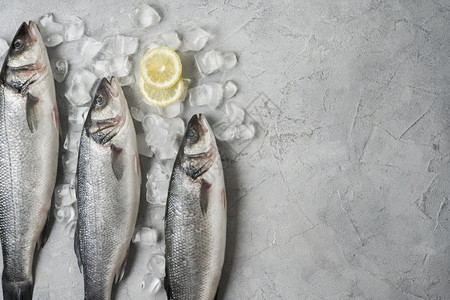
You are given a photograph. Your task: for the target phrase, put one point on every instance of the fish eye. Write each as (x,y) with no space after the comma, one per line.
(18,45)
(99,101)
(192,136)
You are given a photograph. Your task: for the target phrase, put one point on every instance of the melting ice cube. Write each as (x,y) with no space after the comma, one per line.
(235,114)
(65,214)
(210,94)
(170,39)
(120,45)
(171,111)
(81,85)
(127,80)
(143,148)
(3,47)
(229,89)
(213,61)
(88,48)
(73,28)
(146,236)
(70,160)
(149,45)
(51,31)
(245,131)
(151,285)
(78,115)
(101,68)
(137,114)
(72,141)
(119,66)
(157,136)
(144,16)
(209,62)
(157,184)
(157,265)
(224,131)
(52,40)
(229,61)
(195,39)
(64,195)
(60,69)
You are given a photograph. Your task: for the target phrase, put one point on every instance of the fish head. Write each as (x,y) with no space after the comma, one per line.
(26,60)
(107,112)
(198,148)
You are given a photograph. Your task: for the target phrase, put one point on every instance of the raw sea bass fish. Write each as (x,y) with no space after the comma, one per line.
(196,218)
(108,188)
(29,140)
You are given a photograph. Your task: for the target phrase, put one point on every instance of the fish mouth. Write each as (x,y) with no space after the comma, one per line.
(109,86)
(199,121)
(32,30)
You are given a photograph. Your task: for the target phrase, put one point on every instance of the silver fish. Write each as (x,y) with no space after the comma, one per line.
(108,188)
(29,141)
(196,216)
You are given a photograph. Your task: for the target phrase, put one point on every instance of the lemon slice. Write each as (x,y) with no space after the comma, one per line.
(161,68)
(161,97)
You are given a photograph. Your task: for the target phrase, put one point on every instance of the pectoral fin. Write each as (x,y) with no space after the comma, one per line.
(76,242)
(117,161)
(32,113)
(121,272)
(204,196)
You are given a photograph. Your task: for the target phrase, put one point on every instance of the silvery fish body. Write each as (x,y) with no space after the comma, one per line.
(29,141)
(108,188)
(195,227)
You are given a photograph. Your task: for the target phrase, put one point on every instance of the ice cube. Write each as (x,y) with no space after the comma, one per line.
(70,160)
(151,285)
(157,265)
(171,111)
(149,45)
(195,39)
(73,28)
(170,39)
(209,62)
(52,40)
(229,61)
(119,66)
(150,121)
(235,114)
(156,136)
(65,214)
(60,69)
(50,30)
(100,68)
(176,127)
(120,45)
(72,141)
(145,235)
(88,48)
(78,115)
(210,94)
(186,82)
(224,131)
(157,184)
(3,47)
(229,89)
(127,80)
(144,16)
(80,88)
(143,148)
(71,227)
(167,151)
(64,195)
(245,131)
(137,114)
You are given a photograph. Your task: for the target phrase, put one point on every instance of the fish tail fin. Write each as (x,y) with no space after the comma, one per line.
(13,290)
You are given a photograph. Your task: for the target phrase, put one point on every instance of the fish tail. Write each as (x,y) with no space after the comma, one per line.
(17,290)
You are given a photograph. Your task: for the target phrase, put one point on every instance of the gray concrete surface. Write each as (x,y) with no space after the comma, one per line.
(344,192)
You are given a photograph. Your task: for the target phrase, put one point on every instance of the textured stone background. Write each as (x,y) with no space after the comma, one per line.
(344,192)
